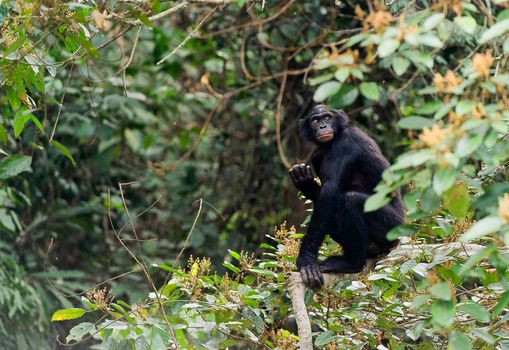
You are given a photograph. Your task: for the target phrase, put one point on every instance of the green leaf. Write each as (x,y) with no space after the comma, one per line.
(466,23)
(482,228)
(320,79)
(412,159)
(81,39)
(370,91)
(78,332)
(502,303)
(432,21)
(419,58)
(387,47)
(326,90)
(36,122)
(14,165)
(429,107)
(19,123)
(458,341)
(324,338)
(468,144)
(414,122)
(3,134)
(444,178)
(442,291)
(64,151)
(234,254)
(231,267)
(400,65)
(402,231)
(344,97)
(457,200)
(376,201)
(431,40)
(476,311)
(497,29)
(443,312)
(342,74)
(476,258)
(464,106)
(68,314)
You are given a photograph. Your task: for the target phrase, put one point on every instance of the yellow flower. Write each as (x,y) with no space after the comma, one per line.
(359,13)
(503,207)
(443,5)
(455,119)
(482,62)
(439,82)
(478,112)
(378,20)
(434,136)
(446,83)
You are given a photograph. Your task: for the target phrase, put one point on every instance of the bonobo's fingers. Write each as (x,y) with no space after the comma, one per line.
(293,174)
(308,172)
(311,276)
(302,172)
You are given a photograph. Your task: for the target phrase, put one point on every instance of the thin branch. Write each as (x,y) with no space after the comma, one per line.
(198,26)
(61,104)
(278,117)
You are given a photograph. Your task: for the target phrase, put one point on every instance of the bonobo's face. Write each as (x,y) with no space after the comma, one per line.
(322,125)
(321,121)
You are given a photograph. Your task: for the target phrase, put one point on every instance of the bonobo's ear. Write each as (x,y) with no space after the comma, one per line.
(343,120)
(305,130)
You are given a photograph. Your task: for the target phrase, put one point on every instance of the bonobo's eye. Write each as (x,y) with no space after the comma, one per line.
(327,118)
(314,121)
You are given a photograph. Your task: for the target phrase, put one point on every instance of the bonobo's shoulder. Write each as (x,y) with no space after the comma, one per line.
(356,135)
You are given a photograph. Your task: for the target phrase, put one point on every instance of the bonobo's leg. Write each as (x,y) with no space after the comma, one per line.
(356,228)
(303,180)
(307,262)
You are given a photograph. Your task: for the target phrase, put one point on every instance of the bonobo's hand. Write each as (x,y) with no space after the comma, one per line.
(310,273)
(302,177)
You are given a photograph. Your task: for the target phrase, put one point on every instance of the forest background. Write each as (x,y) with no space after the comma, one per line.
(139,134)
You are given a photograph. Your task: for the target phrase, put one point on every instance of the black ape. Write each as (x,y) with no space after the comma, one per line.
(349,164)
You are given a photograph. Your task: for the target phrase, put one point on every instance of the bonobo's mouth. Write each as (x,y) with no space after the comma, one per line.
(325,137)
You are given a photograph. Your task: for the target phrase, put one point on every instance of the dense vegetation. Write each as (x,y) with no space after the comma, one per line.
(144,147)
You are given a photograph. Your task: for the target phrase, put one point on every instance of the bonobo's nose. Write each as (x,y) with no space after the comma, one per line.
(323,126)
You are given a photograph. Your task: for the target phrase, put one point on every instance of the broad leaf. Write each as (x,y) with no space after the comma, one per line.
(68,314)
(482,228)
(443,312)
(457,200)
(497,29)
(14,165)
(459,341)
(388,47)
(370,91)
(326,90)
(414,122)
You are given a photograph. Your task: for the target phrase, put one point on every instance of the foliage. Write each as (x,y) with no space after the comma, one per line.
(202,102)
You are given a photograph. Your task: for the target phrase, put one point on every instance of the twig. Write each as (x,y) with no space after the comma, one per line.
(128,63)
(278,117)
(61,104)
(198,26)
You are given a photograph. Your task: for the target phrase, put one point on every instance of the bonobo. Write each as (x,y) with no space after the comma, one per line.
(349,164)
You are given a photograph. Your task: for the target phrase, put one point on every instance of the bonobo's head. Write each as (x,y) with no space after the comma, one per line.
(321,124)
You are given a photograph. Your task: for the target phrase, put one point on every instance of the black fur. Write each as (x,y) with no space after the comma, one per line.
(349,167)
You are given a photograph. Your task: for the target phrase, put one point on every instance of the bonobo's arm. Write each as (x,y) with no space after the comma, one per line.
(303,180)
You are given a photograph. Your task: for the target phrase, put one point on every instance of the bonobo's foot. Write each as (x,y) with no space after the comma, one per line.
(311,276)
(338,264)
